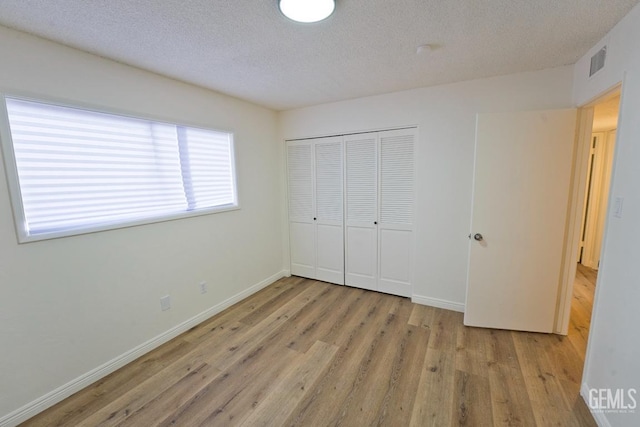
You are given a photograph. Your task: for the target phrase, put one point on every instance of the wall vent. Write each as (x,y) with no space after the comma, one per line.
(597,61)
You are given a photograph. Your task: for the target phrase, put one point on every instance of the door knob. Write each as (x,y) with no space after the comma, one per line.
(478,237)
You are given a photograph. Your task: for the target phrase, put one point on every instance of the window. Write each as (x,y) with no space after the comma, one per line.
(77,171)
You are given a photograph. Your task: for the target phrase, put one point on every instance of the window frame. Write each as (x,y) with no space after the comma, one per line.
(15,192)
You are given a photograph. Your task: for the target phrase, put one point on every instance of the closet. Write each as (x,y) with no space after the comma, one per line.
(351,209)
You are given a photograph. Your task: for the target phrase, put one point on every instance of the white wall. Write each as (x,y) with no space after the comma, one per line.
(614,344)
(446,116)
(69,305)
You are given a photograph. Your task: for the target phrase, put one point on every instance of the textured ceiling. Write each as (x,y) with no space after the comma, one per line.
(247,49)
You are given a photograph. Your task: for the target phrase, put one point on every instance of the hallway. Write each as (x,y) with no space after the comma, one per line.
(584,288)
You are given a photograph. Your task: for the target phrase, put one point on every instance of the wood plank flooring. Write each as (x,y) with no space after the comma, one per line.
(307,353)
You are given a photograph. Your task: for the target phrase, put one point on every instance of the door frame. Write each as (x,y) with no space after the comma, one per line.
(582,148)
(595,138)
(598,196)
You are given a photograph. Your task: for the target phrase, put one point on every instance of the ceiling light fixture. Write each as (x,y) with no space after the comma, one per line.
(307,11)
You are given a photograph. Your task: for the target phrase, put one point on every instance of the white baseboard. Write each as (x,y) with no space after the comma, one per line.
(31,409)
(599,417)
(437,302)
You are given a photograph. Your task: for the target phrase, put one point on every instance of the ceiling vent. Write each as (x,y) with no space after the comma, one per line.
(597,61)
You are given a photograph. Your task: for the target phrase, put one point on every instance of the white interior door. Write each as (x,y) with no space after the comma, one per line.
(520,201)
(395,225)
(301,209)
(329,213)
(361,243)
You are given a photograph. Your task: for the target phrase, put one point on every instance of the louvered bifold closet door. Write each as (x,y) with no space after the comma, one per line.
(361,156)
(301,208)
(395,225)
(329,218)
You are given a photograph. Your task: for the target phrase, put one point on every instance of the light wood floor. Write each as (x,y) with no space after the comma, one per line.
(307,353)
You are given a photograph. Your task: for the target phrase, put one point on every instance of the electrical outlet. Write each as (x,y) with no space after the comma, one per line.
(165,303)
(203,287)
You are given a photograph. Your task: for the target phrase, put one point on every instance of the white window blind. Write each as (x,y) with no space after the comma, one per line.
(81,170)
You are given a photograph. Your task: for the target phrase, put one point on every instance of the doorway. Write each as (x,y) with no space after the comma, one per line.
(602,145)
(535,144)
(599,164)
(597,137)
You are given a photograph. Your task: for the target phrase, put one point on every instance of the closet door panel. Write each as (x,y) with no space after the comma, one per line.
(396,211)
(303,252)
(361,211)
(361,265)
(395,262)
(330,254)
(329,170)
(301,209)
(396,177)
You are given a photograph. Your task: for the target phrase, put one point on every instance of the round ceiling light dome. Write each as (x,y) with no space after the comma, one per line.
(307,11)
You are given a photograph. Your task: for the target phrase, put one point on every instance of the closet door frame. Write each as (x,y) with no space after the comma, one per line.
(376,251)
